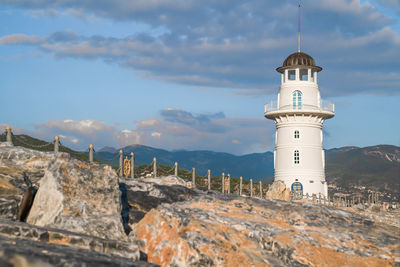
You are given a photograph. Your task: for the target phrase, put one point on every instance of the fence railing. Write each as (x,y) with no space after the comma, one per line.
(342,201)
(324,106)
(229,185)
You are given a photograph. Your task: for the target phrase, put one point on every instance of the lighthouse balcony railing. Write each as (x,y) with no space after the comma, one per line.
(324,106)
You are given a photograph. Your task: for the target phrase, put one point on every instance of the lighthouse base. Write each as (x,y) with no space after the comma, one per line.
(304,181)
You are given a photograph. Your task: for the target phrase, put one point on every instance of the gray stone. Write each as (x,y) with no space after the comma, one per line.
(225,230)
(278,190)
(22,244)
(14,163)
(139,196)
(79,197)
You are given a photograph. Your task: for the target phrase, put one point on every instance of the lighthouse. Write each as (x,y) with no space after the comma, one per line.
(299,113)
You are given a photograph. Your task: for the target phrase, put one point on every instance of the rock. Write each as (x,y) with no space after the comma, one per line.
(163,180)
(226,230)
(6,144)
(278,190)
(22,244)
(139,196)
(79,197)
(14,162)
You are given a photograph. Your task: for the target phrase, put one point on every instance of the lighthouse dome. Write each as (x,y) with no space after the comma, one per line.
(298,59)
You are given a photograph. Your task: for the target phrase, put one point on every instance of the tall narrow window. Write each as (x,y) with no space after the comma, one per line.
(297,100)
(292,75)
(296,157)
(296,134)
(303,74)
(312,75)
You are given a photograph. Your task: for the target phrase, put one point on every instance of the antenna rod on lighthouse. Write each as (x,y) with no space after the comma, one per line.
(298,41)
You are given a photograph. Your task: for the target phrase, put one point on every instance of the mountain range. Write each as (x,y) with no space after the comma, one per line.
(259,166)
(377,167)
(350,168)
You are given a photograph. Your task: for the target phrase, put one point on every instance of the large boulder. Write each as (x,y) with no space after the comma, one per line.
(24,244)
(15,163)
(225,230)
(278,190)
(139,196)
(79,197)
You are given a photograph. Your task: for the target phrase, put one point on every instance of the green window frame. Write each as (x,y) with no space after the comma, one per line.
(296,157)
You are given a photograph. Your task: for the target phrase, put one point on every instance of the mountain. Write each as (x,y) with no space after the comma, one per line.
(257,165)
(377,167)
(348,169)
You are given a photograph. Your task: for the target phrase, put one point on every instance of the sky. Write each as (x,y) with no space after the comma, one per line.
(193,75)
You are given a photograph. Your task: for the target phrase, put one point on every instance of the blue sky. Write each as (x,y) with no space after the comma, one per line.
(193,74)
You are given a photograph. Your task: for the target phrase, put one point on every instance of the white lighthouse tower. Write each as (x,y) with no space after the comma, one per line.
(299,112)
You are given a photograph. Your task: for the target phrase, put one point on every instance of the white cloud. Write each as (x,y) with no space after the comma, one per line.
(156,135)
(82,127)
(19,38)
(148,123)
(74,140)
(129,137)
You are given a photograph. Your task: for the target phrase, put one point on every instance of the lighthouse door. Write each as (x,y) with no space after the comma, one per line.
(297,190)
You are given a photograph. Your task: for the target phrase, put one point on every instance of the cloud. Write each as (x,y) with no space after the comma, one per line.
(181,129)
(129,137)
(233,44)
(20,39)
(82,127)
(77,134)
(156,135)
(174,129)
(391,4)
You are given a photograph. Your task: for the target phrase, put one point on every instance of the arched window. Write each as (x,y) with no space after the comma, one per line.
(296,134)
(296,157)
(297,100)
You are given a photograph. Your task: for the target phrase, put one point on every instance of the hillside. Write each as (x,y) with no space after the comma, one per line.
(256,166)
(373,168)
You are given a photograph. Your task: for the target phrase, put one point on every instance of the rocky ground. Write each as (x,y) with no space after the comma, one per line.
(59,211)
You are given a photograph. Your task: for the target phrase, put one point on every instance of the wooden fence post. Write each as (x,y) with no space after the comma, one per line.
(56,143)
(91,153)
(120,163)
(9,135)
(132,165)
(155,167)
(240,185)
(193,178)
(229,183)
(223,183)
(261,195)
(209,179)
(176,168)
(251,187)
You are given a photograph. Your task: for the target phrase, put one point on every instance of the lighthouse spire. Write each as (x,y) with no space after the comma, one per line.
(298,40)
